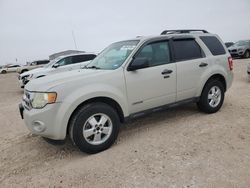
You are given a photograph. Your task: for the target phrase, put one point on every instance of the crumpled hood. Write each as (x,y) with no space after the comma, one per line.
(34,71)
(48,82)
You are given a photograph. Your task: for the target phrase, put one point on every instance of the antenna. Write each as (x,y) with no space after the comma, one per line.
(73,36)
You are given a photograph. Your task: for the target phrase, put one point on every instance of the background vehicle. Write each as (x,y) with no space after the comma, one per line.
(33,65)
(127,80)
(9,68)
(228,44)
(60,64)
(240,49)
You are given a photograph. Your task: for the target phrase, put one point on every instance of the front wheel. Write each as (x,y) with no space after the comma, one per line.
(247,54)
(94,127)
(212,97)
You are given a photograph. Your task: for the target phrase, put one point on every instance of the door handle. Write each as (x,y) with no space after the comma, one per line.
(203,65)
(166,71)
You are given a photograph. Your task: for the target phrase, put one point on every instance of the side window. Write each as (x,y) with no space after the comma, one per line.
(186,49)
(42,62)
(157,53)
(213,44)
(65,61)
(82,58)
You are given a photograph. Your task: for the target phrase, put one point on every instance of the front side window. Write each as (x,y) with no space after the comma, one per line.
(186,49)
(156,53)
(113,56)
(65,61)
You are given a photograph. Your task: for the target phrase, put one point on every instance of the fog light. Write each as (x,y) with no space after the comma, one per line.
(38,126)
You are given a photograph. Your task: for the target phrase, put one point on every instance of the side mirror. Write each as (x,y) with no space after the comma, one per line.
(56,65)
(138,63)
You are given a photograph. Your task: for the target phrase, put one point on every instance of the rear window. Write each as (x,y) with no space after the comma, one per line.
(186,49)
(42,62)
(214,45)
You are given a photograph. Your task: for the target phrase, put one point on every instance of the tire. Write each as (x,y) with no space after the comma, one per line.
(246,54)
(212,97)
(4,72)
(87,131)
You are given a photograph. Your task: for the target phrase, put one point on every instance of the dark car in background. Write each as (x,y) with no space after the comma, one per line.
(240,49)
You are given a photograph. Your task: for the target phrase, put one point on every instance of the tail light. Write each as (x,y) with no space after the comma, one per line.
(230,63)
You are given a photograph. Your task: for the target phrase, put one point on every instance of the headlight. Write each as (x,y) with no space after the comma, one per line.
(40,100)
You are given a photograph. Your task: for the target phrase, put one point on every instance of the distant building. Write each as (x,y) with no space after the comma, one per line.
(67,52)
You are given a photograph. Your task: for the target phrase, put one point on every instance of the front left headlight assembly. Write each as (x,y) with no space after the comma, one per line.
(41,99)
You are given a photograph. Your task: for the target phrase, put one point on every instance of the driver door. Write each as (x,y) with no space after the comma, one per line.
(154,85)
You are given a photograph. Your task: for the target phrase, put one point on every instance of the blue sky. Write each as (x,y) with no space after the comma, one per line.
(34,29)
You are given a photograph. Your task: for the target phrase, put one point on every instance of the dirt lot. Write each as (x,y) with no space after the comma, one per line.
(180,147)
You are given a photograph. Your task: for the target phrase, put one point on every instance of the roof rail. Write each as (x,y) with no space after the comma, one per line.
(183,31)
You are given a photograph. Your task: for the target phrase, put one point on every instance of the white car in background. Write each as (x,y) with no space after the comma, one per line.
(33,65)
(60,64)
(9,68)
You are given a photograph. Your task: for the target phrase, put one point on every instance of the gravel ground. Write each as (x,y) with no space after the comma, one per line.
(180,147)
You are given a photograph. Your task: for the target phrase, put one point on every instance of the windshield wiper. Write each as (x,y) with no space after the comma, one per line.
(92,67)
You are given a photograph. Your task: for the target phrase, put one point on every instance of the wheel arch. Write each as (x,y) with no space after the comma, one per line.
(24,70)
(219,77)
(107,100)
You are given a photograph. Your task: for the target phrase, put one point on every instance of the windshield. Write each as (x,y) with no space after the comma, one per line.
(52,62)
(242,43)
(114,55)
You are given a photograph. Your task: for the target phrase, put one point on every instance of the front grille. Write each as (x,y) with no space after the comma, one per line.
(234,50)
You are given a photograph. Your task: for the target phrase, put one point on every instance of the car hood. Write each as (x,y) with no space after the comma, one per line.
(236,47)
(48,82)
(35,71)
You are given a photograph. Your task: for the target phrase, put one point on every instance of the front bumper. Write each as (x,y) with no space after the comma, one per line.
(236,53)
(43,121)
(21,83)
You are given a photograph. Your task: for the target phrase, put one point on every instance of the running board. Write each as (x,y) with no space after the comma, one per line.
(161,108)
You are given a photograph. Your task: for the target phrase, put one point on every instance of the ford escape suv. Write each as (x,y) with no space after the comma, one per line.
(128,79)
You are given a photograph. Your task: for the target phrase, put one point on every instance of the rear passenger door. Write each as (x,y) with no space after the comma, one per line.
(191,64)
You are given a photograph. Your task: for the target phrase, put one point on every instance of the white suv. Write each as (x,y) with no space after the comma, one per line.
(60,64)
(128,79)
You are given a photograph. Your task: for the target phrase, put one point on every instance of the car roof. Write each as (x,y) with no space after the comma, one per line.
(75,54)
(172,35)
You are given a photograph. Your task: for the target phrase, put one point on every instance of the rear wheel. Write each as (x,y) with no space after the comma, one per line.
(94,127)
(212,97)
(4,72)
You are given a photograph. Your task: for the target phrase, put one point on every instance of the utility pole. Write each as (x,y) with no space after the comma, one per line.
(73,36)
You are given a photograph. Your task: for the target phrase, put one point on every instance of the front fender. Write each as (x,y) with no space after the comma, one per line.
(77,97)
